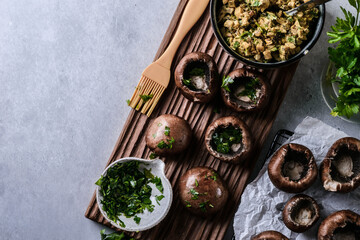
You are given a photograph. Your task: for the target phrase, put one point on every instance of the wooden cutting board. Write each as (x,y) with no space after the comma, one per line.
(179,223)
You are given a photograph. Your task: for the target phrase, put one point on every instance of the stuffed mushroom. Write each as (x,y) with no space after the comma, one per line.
(292,168)
(168,134)
(196,76)
(341,225)
(300,213)
(202,191)
(340,170)
(269,235)
(245,90)
(228,139)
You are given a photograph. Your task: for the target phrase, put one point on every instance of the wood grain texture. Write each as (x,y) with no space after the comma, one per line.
(179,223)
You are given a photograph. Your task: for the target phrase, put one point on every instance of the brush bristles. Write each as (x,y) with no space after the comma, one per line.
(146,86)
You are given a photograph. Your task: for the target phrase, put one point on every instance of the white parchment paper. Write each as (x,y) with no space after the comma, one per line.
(262,203)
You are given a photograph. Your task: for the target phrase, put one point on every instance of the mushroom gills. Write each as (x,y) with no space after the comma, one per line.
(304,216)
(344,166)
(349,232)
(293,169)
(199,82)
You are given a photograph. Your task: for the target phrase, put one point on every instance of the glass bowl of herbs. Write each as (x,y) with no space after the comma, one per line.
(340,81)
(133,194)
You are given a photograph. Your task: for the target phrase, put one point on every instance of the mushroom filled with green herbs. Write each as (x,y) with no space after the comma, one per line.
(228,139)
(168,135)
(202,191)
(245,90)
(196,76)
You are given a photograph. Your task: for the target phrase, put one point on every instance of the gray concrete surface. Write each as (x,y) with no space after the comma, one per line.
(66,69)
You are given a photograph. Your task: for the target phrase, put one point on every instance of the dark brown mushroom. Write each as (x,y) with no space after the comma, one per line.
(168,134)
(341,225)
(269,235)
(245,90)
(292,168)
(300,213)
(196,76)
(228,139)
(202,191)
(340,170)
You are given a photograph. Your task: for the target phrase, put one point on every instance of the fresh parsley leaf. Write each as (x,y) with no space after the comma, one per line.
(196,183)
(236,44)
(194,193)
(146,98)
(137,219)
(188,204)
(255,3)
(159,198)
(202,205)
(158,184)
(167,131)
(153,155)
(128,102)
(187,82)
(168,145)
(226,82)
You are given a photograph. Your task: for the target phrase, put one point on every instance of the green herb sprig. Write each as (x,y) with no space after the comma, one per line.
(146,98)
(346,57)
(114,236)
(250,89)
(226,82)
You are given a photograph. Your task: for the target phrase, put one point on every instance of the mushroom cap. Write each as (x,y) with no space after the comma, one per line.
(276,166)
(330,176)
(210,187)
(269,235)
(338,220)
(179,130)
(246,139)
(297,209)
(238,75)
(211,75)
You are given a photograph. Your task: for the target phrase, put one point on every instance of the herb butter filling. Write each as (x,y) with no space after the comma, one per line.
(260,30)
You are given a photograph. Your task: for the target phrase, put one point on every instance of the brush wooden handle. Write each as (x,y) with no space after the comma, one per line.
(193,11)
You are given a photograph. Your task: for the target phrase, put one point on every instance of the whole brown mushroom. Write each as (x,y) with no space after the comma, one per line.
(196,76)
(269,235)
(228,139)
(340,170)
(168,135)
(300,213)
(202,191)
(341,225)
(292,168)
(245,90)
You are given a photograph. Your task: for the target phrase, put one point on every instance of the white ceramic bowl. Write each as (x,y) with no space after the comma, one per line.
(148,219)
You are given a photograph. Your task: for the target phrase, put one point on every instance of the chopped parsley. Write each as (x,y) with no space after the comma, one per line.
(250,88)
(196,183)
(223,138)
(114,236)
(126,191)
(197,72)
(255,3)
(168,145)
(214,176)
(236,44)
(188,204)
(167,131)
(146,98)
(153,155)
(194,193)
(187,82)
(159,198)
(128,102)
(226,82)
(202,205)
